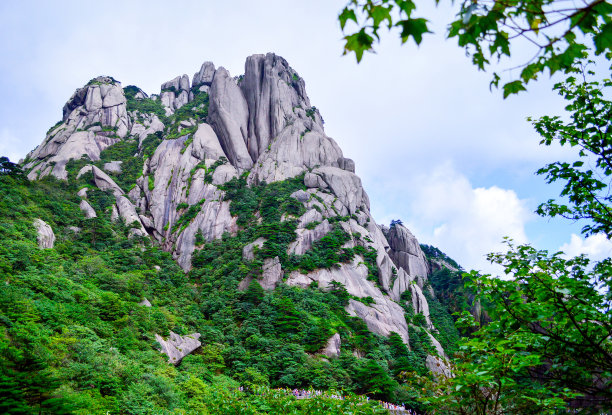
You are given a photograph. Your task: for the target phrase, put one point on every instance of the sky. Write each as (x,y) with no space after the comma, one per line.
(432,144)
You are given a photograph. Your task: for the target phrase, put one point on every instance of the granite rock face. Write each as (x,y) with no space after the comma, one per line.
(177,347)
(406,252)
(332,348)
(46,237)
(94,118)
(175,93)
(261,125)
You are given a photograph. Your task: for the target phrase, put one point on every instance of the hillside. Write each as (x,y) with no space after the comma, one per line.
(166,250)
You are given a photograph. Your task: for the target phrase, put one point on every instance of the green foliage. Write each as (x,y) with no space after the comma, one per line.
(184,220)
(558,33)
(431,252)
(143,105)
(549,341)
(197,110)
(590,131)
(75,307)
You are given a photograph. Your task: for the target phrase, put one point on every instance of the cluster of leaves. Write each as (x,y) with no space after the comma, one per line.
(586,187)
(549,344)
(558,32)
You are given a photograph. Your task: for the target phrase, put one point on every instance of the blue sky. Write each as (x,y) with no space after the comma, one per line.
(432,144)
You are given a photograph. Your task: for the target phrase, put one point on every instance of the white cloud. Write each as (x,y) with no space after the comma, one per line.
(463,221)
(596,247)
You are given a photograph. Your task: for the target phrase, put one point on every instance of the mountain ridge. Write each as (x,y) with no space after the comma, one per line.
(195,140)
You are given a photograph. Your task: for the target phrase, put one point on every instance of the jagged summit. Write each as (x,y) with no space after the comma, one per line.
(187,150)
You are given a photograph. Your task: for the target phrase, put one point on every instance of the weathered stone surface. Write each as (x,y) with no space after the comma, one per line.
(406,251)
(84,170)
(272,273)
(177,347)
(244,284)
(87,210)
(101,101)
(83,193)
(382,317)
(205,75)
(104,182)
(294,151)
(247,251)
(128,213)
(206,144)
(272,90)
(113,166)
(145,124)
(175,93)
(145,303)
(332,348)
(46,237)
(346,186)
(300,196)
(224,174)
(228,115)
(114,214)
(306,237)
(438,366)
(310,216)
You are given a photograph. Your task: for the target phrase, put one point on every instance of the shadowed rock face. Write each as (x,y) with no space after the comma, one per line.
(261,124)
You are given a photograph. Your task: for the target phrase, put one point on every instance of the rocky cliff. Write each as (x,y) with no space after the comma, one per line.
(182,150)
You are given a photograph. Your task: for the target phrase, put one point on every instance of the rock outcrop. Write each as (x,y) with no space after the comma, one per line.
(94,118)
(332,348)
(46,237)
(177,347)
(175,93)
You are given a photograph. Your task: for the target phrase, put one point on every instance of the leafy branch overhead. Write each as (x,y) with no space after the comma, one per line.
(558,33)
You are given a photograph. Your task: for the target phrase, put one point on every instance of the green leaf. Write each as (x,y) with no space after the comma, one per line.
(513,87)
(603,39)
(413,27)
(347,14)
(358,42)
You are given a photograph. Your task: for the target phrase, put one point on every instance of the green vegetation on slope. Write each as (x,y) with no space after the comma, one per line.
(72,330)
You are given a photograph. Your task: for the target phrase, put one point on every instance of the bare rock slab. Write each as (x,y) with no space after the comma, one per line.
(177,347)
(46,237)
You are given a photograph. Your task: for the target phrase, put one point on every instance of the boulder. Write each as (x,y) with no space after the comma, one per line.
(205,75)
(332,348)
(406,251)
(87,210)
(113,166)
(104,182)
(177,347)
(247,251)
(83,193)
(300,196)
(46,237)
(145,303)
(272,273)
